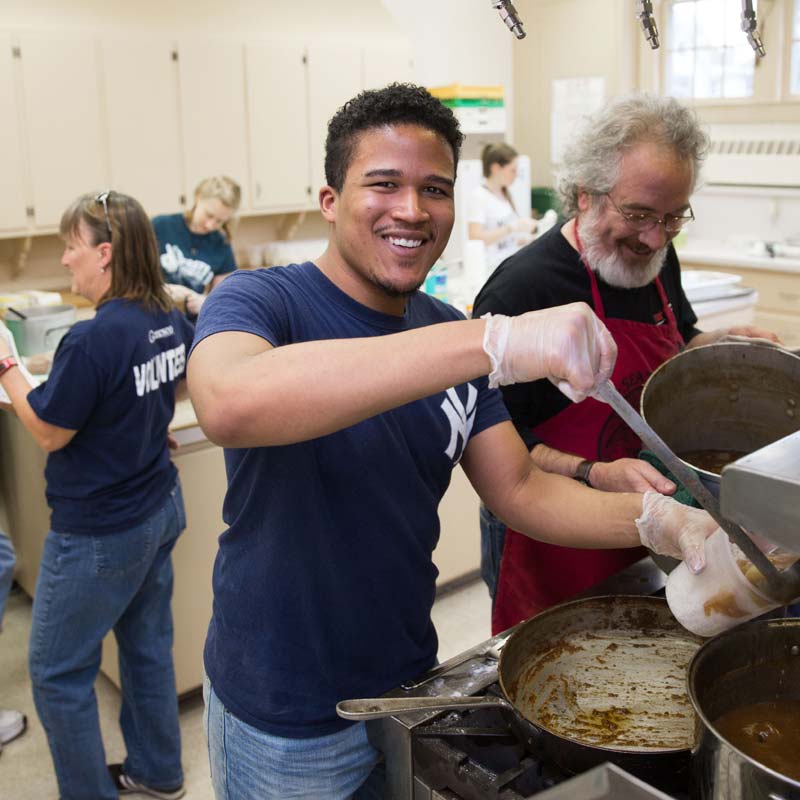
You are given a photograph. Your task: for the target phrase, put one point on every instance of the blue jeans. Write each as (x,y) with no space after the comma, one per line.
(249,764)
(7,562)
(87,586)
(493,536)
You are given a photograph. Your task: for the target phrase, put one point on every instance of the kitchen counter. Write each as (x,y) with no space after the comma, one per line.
(723,255)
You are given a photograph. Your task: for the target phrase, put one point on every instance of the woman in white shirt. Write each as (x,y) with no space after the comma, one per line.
(492,217)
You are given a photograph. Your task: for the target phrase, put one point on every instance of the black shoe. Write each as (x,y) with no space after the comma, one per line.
(127,785)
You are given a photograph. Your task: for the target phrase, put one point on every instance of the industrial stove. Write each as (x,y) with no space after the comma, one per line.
(472,754)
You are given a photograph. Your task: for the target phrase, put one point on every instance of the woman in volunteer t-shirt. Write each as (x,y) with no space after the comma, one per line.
(116,503)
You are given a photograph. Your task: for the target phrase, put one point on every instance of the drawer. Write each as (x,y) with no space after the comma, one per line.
(777,291)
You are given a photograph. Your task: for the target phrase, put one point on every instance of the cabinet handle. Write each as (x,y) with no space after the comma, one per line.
(791,297)
(258,189)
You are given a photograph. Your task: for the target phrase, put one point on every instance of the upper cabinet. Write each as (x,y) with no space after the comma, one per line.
(384,65)
(152,118)
(140,82)
(277,104)
(14,197)
(63,126)
(213,113)
(334,76)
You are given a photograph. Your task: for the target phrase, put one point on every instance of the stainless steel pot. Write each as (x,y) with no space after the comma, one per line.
(752,663)
(729,396)
(41,329)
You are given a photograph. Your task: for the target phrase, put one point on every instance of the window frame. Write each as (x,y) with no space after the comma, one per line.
(772,77)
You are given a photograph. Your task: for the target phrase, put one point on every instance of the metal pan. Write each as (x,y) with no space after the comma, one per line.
(594,680)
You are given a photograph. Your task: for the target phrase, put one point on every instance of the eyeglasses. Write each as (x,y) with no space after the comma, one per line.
(644,222)
(103,198)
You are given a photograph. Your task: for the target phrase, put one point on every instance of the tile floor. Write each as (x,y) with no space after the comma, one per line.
(461,617)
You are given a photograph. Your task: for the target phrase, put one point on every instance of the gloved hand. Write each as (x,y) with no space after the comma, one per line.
(673,529)
(566,344)
(523,225)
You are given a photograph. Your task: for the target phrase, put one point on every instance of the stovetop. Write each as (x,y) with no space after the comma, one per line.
(473,754)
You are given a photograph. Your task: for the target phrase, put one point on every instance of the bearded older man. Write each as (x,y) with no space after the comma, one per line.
(625,182)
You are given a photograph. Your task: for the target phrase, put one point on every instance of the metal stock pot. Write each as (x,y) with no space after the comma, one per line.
(730,396)
(752,663)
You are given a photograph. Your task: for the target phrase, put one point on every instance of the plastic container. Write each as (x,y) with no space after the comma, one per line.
(436,282)
(720,596)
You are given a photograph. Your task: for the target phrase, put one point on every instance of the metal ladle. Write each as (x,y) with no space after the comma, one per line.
(783,585)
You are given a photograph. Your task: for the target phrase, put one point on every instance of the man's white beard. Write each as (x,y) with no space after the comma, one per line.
(610,266)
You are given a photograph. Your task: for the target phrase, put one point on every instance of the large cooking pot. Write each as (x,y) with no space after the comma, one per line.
(594,680)
(753,663)
(729,397)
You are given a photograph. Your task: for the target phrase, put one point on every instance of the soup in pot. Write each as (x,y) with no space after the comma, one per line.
(711,460)
(766,732)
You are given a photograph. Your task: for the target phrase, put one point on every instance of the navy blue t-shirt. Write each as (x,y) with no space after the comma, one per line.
(191,259)
(113,381)
(324,582)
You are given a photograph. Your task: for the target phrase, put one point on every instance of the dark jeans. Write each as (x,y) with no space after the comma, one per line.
(493,536)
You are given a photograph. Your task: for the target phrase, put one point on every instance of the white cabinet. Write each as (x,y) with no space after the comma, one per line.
(334,76)
(382,66)
(277,107)
(140,81)
(61,96)
(14,195)
(213,113)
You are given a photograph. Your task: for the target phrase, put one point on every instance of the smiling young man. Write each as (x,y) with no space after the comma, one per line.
(345,398)
(626,182)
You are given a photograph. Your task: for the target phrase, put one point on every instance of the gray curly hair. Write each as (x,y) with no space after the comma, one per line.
(591,162)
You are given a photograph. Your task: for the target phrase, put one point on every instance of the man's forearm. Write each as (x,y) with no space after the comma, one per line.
(274,396)
(575,515)
(551,460)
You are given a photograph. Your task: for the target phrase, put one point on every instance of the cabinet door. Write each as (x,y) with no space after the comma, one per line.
(63,121)
(278,126)
(383,66)
(334,76)
(213,113)
(143,122)
(14,195)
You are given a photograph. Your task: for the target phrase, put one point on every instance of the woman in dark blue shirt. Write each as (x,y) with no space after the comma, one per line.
(195,247)
(116,503)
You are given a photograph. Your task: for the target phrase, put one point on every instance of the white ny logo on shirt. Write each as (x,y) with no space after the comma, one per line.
(461,419)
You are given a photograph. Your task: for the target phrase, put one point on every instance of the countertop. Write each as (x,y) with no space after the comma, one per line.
(721,254)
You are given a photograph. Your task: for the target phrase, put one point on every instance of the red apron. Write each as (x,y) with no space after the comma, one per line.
(535,575)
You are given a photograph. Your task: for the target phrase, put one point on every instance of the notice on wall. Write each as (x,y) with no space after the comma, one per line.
(573,99)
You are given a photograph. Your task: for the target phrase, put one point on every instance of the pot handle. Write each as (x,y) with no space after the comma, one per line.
(374,708)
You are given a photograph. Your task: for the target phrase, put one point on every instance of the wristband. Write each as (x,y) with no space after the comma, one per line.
(6,364)
(582,471)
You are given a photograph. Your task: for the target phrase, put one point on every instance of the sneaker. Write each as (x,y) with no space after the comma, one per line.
(12,724)
(127,785)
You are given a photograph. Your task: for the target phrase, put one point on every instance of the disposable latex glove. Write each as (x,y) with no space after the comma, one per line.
(524,225)
(673,529)
(568,345)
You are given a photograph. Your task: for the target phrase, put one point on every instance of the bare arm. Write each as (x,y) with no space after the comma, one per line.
(621,475)
(249,394)
(48,437)
(522,225)
(544,505)
(747,331)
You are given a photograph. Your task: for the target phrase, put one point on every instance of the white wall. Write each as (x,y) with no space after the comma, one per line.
(458,41)
(343,19)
